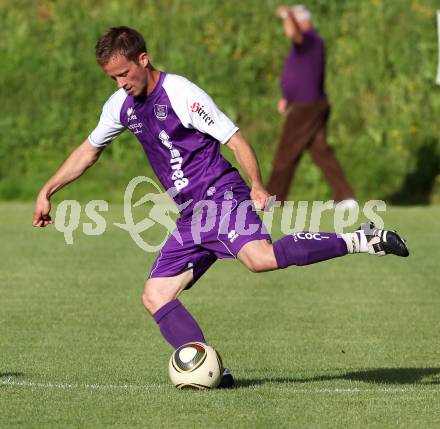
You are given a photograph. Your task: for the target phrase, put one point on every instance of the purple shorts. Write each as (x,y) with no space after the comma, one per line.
(218,229)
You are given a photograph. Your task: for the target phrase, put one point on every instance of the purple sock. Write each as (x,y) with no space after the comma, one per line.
(304,248)
(176,325)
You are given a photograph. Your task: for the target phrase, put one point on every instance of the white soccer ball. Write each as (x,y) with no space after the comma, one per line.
(195,365)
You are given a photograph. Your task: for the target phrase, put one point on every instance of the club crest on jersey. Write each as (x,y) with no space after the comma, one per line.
(196,107)
(161,111)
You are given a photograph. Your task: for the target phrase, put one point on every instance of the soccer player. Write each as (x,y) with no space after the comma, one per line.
(181,130)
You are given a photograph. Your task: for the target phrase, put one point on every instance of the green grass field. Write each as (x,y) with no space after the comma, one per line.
(352,342)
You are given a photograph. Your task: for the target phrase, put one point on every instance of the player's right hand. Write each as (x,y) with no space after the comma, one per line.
(41,217)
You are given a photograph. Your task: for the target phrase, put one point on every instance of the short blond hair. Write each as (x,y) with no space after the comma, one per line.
(120,40)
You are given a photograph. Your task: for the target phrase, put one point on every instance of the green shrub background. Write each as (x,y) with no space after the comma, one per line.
(381,67)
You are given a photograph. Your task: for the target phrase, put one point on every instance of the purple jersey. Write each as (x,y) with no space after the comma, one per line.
(179,127)
(302,79)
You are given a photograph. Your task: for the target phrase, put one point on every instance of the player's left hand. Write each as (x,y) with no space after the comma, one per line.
(261,198)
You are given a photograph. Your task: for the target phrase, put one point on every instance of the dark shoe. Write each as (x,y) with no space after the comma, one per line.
(381,242)
(228,381)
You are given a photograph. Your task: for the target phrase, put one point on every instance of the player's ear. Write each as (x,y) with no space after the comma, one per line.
(144,60)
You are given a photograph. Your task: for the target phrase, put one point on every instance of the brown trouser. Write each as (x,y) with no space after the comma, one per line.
(305,128)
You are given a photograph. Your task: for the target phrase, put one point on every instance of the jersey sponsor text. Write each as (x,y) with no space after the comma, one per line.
(199,109)
(178,176)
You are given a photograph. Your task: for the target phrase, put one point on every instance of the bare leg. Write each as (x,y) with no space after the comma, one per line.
(176,324)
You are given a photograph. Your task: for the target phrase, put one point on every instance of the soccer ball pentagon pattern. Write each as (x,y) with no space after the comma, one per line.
(195,365)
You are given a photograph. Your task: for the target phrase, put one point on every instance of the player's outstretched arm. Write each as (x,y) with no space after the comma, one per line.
(246,158)
(83,157)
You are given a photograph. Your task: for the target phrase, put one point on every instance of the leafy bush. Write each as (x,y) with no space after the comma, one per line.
(382,58)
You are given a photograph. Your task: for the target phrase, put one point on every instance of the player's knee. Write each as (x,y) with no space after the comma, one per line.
(147,299)
(160,291)
(258,257)
(153,299)
(255,265)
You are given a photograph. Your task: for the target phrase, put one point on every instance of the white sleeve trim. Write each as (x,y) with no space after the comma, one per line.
(109,125)
(92,143)
(226,139)
(196,109)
